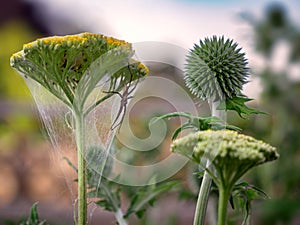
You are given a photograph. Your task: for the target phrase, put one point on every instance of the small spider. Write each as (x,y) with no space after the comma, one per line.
(125,96)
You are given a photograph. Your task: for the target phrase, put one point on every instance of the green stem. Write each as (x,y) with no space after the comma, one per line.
(204,191)
(120,217)
(82,192)
(202,201)
(114,202)
(224,194)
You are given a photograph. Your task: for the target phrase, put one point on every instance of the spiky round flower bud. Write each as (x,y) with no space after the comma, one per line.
(232,154)
(216,69)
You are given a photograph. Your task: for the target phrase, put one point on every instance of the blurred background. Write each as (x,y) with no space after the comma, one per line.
(269,33)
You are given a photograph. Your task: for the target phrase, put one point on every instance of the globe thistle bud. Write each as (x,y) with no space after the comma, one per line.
(216,69)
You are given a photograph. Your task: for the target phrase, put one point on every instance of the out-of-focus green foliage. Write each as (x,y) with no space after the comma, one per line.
(33,218)
(16,118)
(280,98)
(15,126)
(275,26)
(12,36)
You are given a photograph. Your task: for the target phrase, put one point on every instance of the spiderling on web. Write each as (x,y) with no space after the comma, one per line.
(129,81)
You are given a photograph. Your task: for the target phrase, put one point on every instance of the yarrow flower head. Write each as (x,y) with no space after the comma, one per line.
(60,63)
(216,69)
(232,154)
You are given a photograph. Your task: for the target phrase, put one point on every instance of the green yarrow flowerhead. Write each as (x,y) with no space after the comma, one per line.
(216,69)
(60,63)
(232,154)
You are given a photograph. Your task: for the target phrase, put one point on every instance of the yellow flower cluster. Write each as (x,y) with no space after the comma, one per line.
(16,55)
(69,40)
(59,62)
(74,40)
(144,68)
(115,42)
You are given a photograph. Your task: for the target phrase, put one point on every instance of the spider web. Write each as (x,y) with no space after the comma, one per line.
(59,124)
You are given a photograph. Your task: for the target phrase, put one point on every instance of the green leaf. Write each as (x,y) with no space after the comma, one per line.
(106,205)
(252,191)
(196,123)
(199,174)
(185,194)
(231,201)
(244,193)
(140,213)
(33,218)
(146,196)
(108,194)
(237,104)
(178,130)
(105,191)
(170,115)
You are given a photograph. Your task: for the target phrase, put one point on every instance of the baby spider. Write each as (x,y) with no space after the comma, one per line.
(125,96)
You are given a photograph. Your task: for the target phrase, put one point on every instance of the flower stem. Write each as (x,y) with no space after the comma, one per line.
(82,192)
(120,217)
(199,217)
(202,201)
(224,194)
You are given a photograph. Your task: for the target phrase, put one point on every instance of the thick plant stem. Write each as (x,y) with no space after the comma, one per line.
(204,191)
(120,217)
(82,192)
(224,194)
(202,201)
